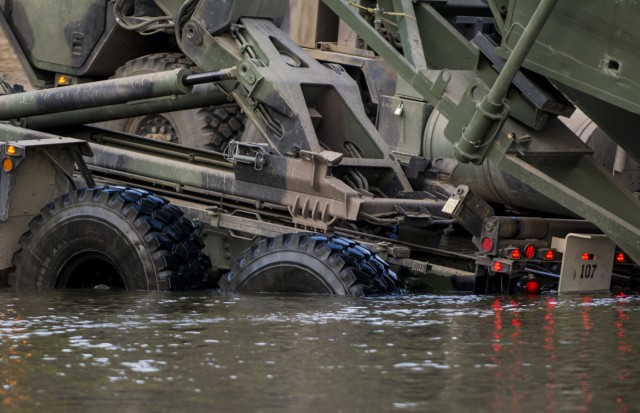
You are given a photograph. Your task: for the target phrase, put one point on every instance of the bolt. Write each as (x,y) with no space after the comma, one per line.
(191,32)
(489,226)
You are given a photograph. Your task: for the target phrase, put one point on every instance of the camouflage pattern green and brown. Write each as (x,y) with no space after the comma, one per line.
(463,113)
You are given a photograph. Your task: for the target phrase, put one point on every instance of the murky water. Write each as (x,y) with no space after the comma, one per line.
(169,352)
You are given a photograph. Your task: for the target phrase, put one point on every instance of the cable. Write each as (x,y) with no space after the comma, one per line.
(146,26)
(183,15)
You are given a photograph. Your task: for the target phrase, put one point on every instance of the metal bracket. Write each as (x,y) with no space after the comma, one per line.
(468,209)
(248,153)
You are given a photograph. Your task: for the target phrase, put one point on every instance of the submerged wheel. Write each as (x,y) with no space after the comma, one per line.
(312,264)
(209,128)
(110,237)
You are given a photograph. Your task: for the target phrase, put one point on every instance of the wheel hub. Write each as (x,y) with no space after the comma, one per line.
(91,269)
(157,127)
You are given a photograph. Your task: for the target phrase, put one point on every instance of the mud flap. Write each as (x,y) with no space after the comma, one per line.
(587,262)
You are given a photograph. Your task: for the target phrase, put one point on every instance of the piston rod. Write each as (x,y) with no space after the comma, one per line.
(106,93)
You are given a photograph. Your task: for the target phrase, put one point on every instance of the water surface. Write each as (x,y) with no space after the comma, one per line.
(100,351)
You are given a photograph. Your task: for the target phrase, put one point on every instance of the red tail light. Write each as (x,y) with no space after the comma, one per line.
(487,244)
(529,251)
(588,256)
(512,253)
(533,286)
(500,265)
(620,257)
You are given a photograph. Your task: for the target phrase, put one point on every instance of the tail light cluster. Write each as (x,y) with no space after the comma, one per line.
(529,252)
(510,256)
(513,261)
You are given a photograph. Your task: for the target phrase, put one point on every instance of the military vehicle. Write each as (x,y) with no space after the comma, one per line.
(312,182)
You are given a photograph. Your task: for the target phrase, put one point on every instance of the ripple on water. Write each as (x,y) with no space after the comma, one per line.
(144,366)
(236,354)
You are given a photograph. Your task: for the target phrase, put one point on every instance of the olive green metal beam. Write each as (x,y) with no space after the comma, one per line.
(422,82)
(586,189)
(491,108)
(558,165)
(410,35)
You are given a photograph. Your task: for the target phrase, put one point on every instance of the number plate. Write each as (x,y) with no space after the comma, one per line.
(591,272)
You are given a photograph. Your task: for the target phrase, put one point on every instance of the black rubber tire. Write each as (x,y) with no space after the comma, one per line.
(209,128)
(310,264)
(111,237)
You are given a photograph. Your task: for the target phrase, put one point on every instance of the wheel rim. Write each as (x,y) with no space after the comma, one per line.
(286,278)
(157,127)
(91,269)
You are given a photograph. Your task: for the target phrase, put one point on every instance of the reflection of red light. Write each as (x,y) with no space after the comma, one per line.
(549,325)
(533,287)
(497,325)
(586,319)
(487,244)
(624,346)
(587,256)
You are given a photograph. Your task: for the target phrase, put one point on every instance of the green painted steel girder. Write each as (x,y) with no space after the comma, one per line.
(422,81)
(580,185)
(490,108)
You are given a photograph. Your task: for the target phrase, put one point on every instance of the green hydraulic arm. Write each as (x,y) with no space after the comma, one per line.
(483,120)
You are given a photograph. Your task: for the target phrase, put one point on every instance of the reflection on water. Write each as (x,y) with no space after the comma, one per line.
(101,351)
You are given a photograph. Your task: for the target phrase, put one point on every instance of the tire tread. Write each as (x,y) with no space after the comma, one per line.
(361,271)
(171,242)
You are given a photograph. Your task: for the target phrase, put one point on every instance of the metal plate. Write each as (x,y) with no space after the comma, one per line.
(589,273)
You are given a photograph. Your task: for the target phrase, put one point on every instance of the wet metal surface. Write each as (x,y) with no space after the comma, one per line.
(165,352)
